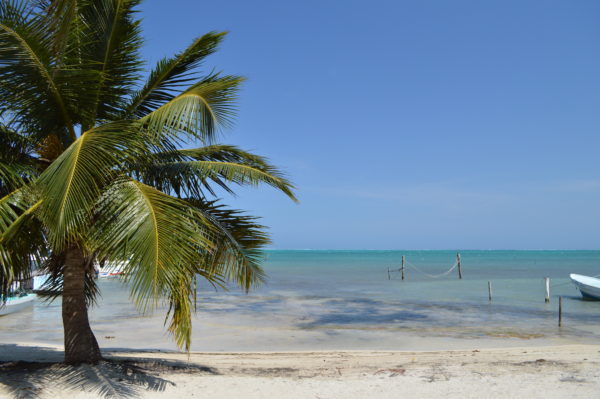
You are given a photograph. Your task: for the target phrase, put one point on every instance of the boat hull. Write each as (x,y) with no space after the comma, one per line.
(112,270)
(110,274)
(16,304)
(588,286)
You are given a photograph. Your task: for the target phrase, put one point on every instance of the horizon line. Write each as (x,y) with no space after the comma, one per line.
(428,249)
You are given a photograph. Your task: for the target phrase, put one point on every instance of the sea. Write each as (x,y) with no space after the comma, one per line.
(356,300)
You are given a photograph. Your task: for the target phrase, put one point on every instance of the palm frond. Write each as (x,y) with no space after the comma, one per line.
(155,233)
(186,177)
(17,164)
(13,145)
(161,239)
(12,230)
(227,153)
(113,49)
(197,113)
(22,239)
(28,87)
(72,184)
(240,242)
(16,264)
(171,74)
(63,21)
(14,175)
(12,208)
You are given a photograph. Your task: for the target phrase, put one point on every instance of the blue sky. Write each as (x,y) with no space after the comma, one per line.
(412,125)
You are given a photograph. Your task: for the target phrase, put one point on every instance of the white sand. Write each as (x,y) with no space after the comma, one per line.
(571,371)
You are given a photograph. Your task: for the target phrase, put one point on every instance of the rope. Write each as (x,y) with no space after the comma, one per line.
(432,275)
(454,267)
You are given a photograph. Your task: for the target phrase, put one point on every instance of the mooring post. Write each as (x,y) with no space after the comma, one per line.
(547,297)
(490,290)
(560,311)
(402,268)
(458,262)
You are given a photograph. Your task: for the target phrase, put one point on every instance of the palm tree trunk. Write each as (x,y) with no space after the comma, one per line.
(80,344)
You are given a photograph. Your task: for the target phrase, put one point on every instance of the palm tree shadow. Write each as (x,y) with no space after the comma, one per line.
(110,378)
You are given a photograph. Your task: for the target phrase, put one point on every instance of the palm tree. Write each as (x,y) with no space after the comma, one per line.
(99,165)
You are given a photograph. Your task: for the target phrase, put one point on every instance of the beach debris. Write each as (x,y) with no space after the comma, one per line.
(541,362)
(109,336)
(391,372)
(572,378)
(437,374)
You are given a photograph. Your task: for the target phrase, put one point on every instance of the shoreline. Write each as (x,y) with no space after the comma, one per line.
(111,352)
(540,371)
(292,341)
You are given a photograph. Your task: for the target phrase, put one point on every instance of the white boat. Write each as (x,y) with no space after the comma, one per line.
(114,273)
(16,303)
(588,286)
(111,270)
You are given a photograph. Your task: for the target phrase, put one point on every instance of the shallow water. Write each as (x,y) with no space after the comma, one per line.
(319,300)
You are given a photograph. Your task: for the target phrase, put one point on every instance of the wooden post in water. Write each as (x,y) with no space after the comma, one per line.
(402,268)
(560,311)
(458,262)
(547,297)
(490,290)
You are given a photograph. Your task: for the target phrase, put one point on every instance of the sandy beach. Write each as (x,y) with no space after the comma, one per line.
(303,337)
(550,372)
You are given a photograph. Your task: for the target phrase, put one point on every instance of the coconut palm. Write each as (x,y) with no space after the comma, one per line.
(98,164)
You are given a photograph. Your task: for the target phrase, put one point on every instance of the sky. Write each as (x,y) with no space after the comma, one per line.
(411,125)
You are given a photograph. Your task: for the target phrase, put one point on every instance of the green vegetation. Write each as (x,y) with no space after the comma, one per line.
(93,166)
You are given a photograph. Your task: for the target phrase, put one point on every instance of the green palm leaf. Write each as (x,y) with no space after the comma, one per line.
(198,112)
(72,185)
(28,84)
(11,206)
(228,153)
(240,240)
(63,20)
(188,175)
(17,163)
(115,37)
(170,74)
(20,246)
(161,239)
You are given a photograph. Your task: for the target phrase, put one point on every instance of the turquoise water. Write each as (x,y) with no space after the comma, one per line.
(354,289)
(344,300)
